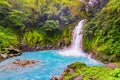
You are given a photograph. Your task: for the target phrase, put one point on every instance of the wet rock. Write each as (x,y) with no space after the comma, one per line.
(12,50)
(9,52)
(4,56)
(24,62)
(19,64)
(76,78)
(69,70)
(58,44)
(11,55)
(66,41)
(61,77)
(53,78)
(91,54)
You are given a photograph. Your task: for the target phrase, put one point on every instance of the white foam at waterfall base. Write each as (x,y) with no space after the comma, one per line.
(76,45)
(70,52)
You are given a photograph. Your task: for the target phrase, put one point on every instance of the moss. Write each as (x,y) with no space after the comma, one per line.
(91,72)
(76,65)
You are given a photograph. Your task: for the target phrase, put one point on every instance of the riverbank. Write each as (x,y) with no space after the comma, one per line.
(9,53)
(79,71)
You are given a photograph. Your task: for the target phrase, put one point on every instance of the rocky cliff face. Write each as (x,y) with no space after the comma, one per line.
(94,6)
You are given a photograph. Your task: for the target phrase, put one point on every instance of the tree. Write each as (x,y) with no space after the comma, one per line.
(15,21)
(51,26)
(4,9)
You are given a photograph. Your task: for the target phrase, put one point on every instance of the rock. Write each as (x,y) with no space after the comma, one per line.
(24,62)
(61,78)
(77,78)
(12,50)
(58,44)
(91,54)
(1,58)
(17,54)
(69,70)
(4,56)
(11,55)
(37,48)
(53,78)
(19,63)
(66,41)
(111,65)
(25,47)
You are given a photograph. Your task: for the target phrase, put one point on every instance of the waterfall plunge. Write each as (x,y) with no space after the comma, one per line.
(77,37)
(76,45)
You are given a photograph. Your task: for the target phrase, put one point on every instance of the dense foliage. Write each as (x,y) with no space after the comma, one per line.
(39,21)
(7,37)
(102,33)
(91,72)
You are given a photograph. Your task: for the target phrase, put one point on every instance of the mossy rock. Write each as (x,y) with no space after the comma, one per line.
(77,65)
(80,70)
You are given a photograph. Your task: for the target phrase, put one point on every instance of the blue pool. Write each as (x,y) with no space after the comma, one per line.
(51,64)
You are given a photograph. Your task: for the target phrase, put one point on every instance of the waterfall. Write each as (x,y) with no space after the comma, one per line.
(76,44)
(77,36)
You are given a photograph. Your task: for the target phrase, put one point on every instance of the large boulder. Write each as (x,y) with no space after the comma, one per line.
(54,78)
(4,56)
(24,63)
(19,64)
